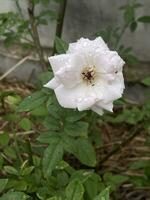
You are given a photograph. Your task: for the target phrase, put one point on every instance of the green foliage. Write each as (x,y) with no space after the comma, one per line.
(33,101)
(14,196)
(75,190)
(114,180)
(113,35)
(3,183)
(4,139)
(15,28)
(146,81)
(144,19)
(61,46)
(52,155)
(104,195)
(25,124)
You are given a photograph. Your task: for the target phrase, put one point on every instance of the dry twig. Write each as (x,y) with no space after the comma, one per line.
(14,67)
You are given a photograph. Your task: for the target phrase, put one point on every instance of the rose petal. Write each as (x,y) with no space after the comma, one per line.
(60,61)
(108,62)
(53,83)
(97,109)
(85,45)
(68,97)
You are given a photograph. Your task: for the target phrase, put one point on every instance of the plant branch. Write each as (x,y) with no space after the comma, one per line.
(19,9)
(134,132)
(121,35)
(60,21)
(14,67)
(35,33)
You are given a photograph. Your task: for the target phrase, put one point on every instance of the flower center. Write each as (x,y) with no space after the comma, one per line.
(88,74)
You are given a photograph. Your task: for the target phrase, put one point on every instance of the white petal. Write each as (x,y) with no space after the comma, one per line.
(100,43)
(86,103)
(52,84)
(114,90)
(107,78)
(70,76)
(60,61)
(98,91)
(69,97)
(108,106)
(85,45)
(108,62)
(97,109)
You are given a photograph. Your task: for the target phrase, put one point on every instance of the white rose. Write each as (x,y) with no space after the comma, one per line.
(88,76)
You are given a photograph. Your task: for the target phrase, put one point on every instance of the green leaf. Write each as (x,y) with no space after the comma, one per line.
(140,164)
(4,139)
(33,101)
(131,59)
(26,171)
(61,46)
(85,152)
(104,195)
(11,117)
(81,148)
(52,124)
(14,196)
(3,183)
(25,124)
(133,26)
(76,129)
(62,165)
(114,180)
(144,19)
(96,138)
(62,179)
(139,181)
(11,170)
(133,116)
(11,38)
(146,81)
(74,116)
(81,175)
(10,152)
(93,186)
(19,185)
(44,77)
(49,137)
(40,111)
(1,162)
(129,14)
(75,190)
(69,144)
(52,155)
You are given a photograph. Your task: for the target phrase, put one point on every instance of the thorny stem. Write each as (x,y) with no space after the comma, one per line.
(35,33)
(134,132)
(60,21)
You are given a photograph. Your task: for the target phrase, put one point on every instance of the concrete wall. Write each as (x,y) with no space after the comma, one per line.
(83,18)
(89,16)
